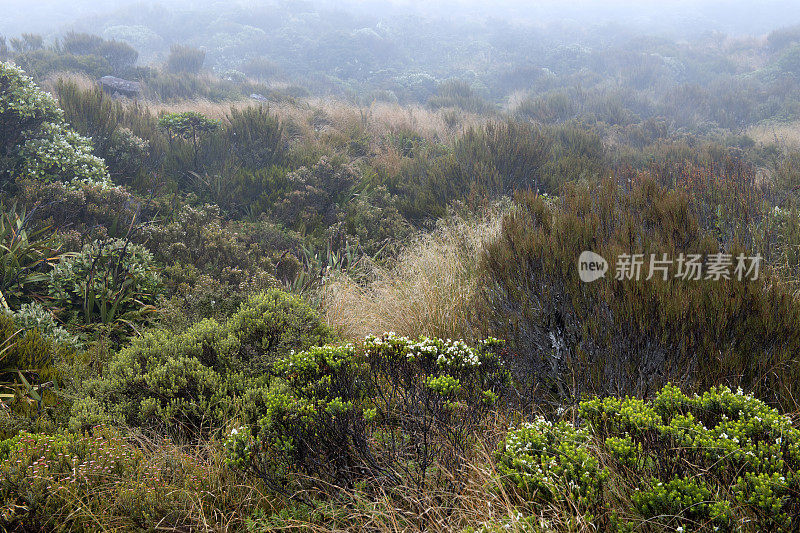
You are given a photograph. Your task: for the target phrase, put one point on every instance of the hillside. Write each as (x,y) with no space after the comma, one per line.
(325,267)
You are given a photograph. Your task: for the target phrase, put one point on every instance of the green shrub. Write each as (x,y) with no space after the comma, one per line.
(121,56)
(392,410)
(439,393)
(552,463)
(256,137)
(95,114)
(248,193)
(483,164)
(260,68)
(515,150)
(185,60)
(720,461)
(73,482)
(28,374)
(190,126)
(83,213)
(198,244)
(113,282)
(704,459)
(34,316)
(314,196)
(193,382)
(309,421)
(460,94)
(44,62)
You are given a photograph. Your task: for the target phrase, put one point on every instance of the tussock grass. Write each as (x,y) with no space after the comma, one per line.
(83,81)
(378,120)
(786,134)
(429,290)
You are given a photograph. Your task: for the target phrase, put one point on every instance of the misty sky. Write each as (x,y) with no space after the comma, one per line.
(664,16)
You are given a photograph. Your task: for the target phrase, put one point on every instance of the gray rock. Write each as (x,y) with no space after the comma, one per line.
(119,87)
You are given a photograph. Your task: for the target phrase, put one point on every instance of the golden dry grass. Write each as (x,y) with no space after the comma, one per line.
(430,289)
(378,120)
(784,134)
(81,80)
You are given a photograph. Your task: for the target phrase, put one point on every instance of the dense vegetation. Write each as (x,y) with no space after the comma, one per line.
(257,314)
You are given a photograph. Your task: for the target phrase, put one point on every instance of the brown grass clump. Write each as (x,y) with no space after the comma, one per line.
(429,290)
(83,81)
(785,134)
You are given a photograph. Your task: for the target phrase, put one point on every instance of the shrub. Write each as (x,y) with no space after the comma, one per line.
(36,143)
(73,482)
(460,94)
(310,421)
(704,459)
(553,463)
(27,42)
(45,62)
(83,213)
(256,137)
(28,375)
(248,193)
(616,336)
(483,164)
(190,126)
(373,221)
(185,60)
(199,242)
(192,383)
(429,398)
(315,195)
(120,56)
(34,316)
(260,68)
(112,282)
(24,257)
(391,410)
(720,461)
(93,113)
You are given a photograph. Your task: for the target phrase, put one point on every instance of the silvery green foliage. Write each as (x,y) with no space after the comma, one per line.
(59,153)
(32,316)
(36,142)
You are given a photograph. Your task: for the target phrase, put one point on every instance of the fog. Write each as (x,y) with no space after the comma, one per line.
(680,17)
(404,51)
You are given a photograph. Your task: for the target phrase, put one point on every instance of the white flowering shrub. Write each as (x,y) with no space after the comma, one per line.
(447,354)
(427,391)
(238,447)
(22,103)
(35,142)
(59,153)
(711,462)
(343,414)
(553,462)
